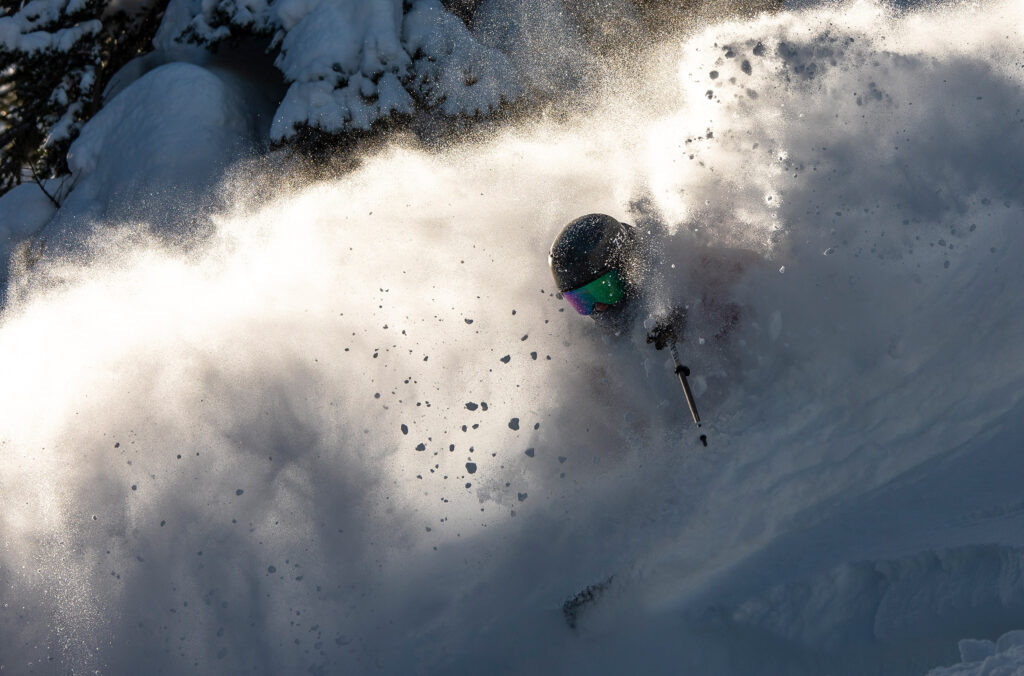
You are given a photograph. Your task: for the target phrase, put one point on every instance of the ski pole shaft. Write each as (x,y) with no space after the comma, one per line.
(682,372)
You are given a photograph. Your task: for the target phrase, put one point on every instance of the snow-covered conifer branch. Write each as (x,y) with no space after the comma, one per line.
(350,64)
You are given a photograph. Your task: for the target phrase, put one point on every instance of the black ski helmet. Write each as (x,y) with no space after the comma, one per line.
(588,248)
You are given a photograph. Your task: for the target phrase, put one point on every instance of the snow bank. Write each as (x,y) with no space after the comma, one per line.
(353,430)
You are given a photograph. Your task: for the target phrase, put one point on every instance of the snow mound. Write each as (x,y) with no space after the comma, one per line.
(168,135)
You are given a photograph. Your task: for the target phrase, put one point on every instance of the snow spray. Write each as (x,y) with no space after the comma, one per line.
(351,429)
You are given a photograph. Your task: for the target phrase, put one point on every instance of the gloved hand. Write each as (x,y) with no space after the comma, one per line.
(667,329)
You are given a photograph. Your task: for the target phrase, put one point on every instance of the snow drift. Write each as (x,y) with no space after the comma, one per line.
(350,429)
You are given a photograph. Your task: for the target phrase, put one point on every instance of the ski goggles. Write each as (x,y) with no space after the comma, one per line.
(608,289)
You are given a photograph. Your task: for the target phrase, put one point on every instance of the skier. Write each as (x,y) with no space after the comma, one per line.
(599,265)
(608,270)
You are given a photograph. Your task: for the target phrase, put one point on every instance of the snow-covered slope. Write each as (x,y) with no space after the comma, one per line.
(351,430)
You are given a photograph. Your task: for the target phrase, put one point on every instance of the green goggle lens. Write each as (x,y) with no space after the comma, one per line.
(608,289)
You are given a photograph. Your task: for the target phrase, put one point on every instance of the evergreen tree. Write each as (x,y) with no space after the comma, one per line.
(56,58)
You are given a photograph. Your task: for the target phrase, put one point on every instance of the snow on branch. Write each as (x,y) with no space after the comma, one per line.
(455,71)
(352,63)
(31,29)
(55,58)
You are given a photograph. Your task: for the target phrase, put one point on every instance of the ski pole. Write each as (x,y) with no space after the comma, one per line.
(682,372)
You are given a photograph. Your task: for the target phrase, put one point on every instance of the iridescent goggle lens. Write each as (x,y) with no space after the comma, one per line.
(608,289)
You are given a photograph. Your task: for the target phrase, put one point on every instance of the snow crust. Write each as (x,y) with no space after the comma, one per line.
(348,428)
